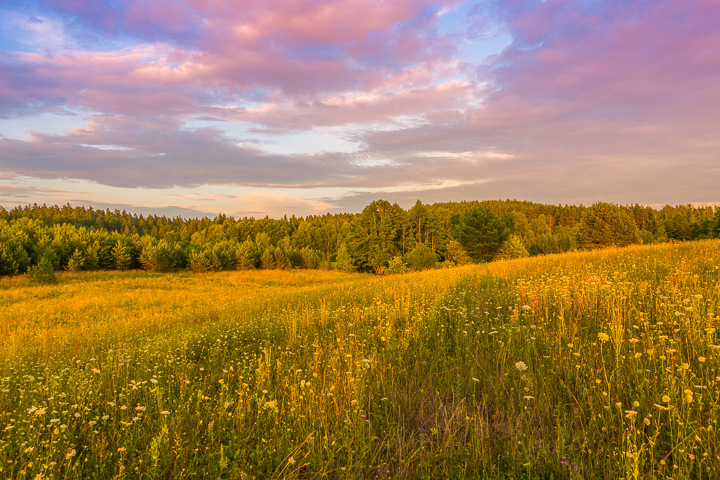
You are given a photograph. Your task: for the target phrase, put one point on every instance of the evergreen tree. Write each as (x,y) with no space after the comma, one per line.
(344,259)
(267,259)
(248,255)
(607,224)
(480,232)
(374,235)
(76,262)
(122,255)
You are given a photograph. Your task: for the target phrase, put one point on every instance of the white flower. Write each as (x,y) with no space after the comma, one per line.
(521,366)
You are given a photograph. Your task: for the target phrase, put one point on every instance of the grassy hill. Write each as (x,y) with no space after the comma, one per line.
(598,364)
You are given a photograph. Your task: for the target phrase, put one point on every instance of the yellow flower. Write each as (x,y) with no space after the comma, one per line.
(603,337)
(666,399)
(701,359)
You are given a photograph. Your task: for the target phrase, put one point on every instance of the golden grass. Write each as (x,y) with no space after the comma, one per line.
(601,364)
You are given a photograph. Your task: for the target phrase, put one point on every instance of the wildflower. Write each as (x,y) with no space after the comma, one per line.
(666,399)
(633,340)
(638,355)
(688,396)
(54,420)
(164,412)
(70,453)
(603,337)
(140,409)
(701,359)
(475,379)
(29,449)
(105,417)
(121,449)
(630,413)
(291,460)
(153,381)
(95,370)
(521,366)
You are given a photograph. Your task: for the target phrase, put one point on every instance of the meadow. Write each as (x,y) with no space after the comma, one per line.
(598,364)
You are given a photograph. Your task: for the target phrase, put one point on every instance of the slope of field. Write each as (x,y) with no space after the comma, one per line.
(587,365)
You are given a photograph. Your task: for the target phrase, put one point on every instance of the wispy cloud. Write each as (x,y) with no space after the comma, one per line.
(590,100)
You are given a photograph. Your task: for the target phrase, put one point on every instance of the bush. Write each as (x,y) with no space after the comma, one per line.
(396,266)
(43,271)
(421,257)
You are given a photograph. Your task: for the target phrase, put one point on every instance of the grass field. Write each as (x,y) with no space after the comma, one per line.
(587,365)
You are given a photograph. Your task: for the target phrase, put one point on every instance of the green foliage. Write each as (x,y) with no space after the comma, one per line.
(375,235)
(421,257)
(480,232)
(457,254)
(76,262)
(607,224)
(248,255)
(267,259)
(14,258)
(88,239)
(646,237)
(396,266)
(345,260)
(43,271)
(204,261)
(122,255)
(158,256)
(310,258)
(512,248)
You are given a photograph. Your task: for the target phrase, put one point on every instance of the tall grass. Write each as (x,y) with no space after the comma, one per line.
(590,365)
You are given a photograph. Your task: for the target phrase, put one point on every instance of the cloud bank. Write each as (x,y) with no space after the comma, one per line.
(587,101)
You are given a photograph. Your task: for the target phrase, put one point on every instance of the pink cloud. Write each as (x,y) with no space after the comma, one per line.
(603,92)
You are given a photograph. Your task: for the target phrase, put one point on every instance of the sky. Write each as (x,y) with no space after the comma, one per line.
(302,107)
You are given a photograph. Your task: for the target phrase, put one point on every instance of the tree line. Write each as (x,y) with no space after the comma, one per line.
(383,238)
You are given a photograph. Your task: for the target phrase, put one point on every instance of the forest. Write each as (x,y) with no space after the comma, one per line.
(383,238)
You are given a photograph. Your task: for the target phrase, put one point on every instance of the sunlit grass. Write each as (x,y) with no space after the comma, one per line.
(598,364)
